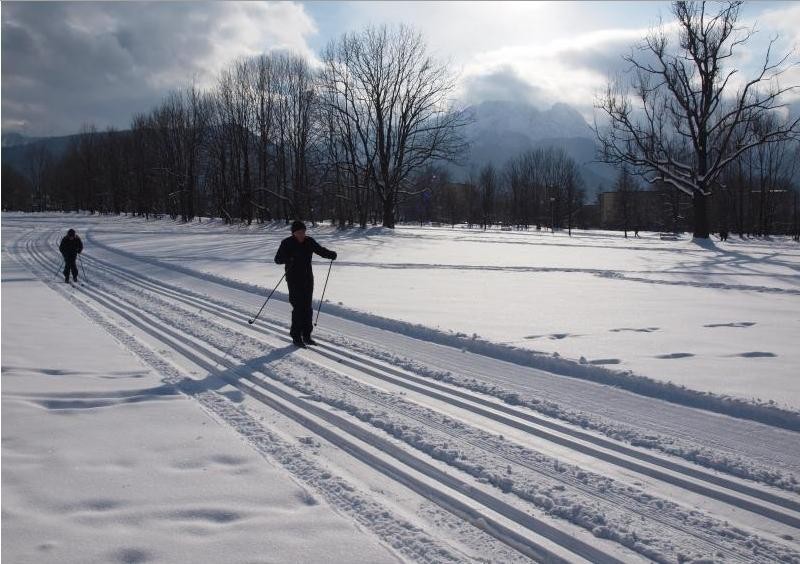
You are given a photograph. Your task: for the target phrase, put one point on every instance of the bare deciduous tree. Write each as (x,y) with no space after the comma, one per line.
(263,85)
(487,182)
(395,99)
(350,134)
(39,161)
(683,120)
(624,200)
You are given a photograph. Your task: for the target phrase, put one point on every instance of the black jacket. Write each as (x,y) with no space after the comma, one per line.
(297,257)
(70,248)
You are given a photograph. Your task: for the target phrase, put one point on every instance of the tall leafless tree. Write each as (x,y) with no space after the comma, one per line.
(682,120)
(39,161)
(488,184)
(625,189)
(397,101)
(263,85)
(87,167)
(349,131)
(300,99)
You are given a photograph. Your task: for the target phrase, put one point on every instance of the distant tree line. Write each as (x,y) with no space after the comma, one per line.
(537,189)
(756,198)
(540,188)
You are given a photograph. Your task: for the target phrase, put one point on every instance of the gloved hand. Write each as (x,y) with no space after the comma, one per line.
(334,255)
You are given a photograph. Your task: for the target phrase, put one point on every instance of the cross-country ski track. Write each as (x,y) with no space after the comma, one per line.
(374,406)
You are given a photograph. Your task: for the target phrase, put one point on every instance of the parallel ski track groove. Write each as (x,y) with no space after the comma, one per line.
(615,498)
(252,431)
(204,303)
(147,322)
(500,379)
(425,386)
(687,469)
(162,289)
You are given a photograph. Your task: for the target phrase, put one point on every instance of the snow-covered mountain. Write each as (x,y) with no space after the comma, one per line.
(494,118)
(501,130)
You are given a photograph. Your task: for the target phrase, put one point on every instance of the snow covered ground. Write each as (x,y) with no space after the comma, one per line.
(104,462)
(429,432)
(723,318)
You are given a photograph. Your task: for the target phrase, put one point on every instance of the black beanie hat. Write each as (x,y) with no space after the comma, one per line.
(71,232)
(298,226)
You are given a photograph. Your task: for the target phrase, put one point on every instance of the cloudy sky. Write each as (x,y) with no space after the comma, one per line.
(69,63)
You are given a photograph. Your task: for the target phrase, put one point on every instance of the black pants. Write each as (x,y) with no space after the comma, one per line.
(301,293)
(70,266)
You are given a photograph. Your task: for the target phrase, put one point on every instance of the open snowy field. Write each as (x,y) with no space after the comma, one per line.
(723,318)
(433,423)
(105,462)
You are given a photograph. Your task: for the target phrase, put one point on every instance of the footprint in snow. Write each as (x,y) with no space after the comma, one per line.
(131,556)
(756,354)
(552,336)
(605,361)
(306,498)
(227,460)
(96,505)
(732,324)
(218,516)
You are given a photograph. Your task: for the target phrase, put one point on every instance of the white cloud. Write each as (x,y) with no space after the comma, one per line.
(252,28)
(784,24)
(570,71)
(563,51)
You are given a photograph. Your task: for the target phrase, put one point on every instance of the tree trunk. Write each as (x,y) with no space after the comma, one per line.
(388,212)
(700,215)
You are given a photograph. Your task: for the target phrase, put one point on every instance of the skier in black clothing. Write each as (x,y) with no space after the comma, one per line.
(295,252)
(71,246)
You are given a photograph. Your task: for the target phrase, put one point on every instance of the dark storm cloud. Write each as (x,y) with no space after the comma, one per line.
(57,71)
(65,64)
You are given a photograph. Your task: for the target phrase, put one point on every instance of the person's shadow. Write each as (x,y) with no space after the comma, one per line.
(220,377)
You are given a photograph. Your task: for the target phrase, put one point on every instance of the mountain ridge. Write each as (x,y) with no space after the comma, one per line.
(501,130)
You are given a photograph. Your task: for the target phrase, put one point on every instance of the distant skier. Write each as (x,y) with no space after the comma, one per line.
(295,252)
(71,246)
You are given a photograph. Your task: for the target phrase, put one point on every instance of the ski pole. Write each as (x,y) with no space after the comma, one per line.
(323,292)
(251,321)
(83,270)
